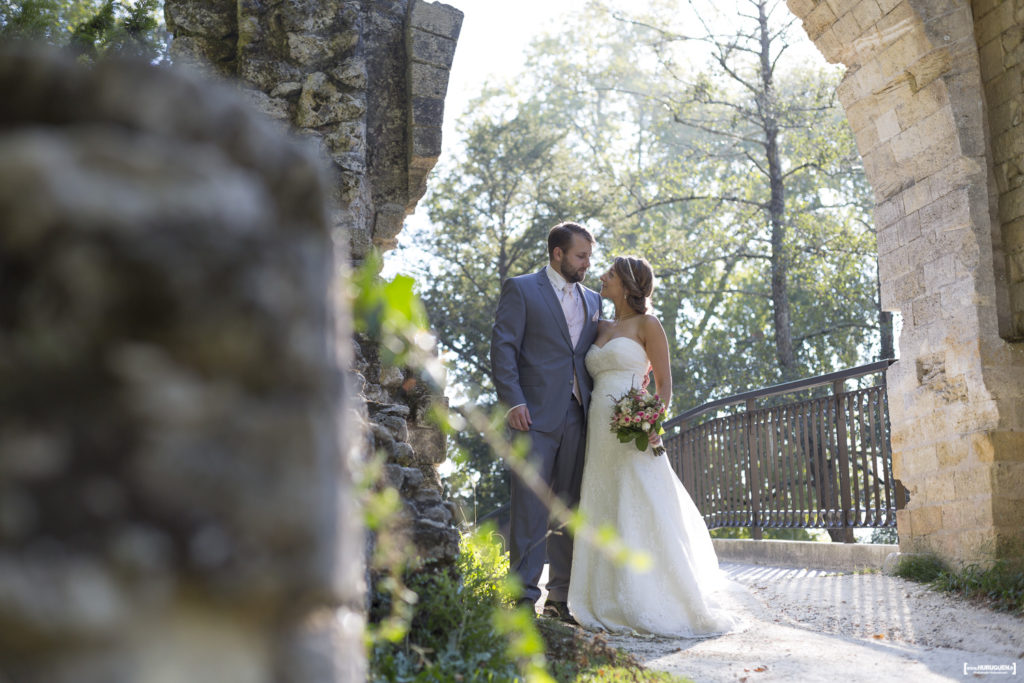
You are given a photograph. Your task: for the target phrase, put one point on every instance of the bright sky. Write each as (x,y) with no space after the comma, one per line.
(491,46)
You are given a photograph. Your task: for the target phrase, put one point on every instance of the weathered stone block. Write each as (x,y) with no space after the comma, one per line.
(394,424)
(429,443)
(887,124)
(907,289)
(388,222)
(351,73)
(444,20)
(426,142)
(431,49)
(975,481)
(818,20)
(428,81)
(867,13)
(926,309)
(206,18)
(951,453)
(321,103)
(991,25)
(925,520)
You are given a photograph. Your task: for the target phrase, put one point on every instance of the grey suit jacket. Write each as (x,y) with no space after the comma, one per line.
(532,357)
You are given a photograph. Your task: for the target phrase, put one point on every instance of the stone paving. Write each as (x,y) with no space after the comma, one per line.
(813,625)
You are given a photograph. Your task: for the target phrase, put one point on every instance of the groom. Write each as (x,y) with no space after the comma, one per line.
(544,325)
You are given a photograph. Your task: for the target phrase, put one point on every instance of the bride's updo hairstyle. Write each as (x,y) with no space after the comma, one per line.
(637,279)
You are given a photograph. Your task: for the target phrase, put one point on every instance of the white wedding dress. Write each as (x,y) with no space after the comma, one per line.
(641,497)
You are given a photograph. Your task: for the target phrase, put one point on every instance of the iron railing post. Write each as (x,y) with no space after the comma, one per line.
(843,456)
(753,474)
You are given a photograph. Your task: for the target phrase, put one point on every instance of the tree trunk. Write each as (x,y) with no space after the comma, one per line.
(782,319)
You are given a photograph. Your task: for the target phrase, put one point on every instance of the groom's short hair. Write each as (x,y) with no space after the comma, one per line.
(561,236)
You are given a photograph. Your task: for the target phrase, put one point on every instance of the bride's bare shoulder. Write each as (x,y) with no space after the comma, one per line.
(650,321)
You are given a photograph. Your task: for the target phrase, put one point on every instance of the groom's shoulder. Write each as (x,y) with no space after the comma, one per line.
(525,277)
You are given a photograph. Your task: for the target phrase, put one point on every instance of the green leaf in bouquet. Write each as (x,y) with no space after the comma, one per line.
(641,442)
(625,437)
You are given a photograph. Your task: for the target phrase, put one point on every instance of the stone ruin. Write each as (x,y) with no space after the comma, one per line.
(933,94)
(177,452)
(155,229)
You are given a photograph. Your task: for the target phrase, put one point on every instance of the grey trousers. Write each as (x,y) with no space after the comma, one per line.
(558,457)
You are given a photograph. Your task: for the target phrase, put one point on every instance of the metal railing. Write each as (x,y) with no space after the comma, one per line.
(822,462)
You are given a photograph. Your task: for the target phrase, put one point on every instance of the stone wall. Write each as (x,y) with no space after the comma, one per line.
(366,81)
(173,501)
(937,124)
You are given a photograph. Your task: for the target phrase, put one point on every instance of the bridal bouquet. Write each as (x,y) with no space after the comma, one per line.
(637,415)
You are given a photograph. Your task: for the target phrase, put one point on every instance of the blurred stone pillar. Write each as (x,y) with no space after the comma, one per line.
(175,491)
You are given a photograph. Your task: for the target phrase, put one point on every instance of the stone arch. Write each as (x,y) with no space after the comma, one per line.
(933,94)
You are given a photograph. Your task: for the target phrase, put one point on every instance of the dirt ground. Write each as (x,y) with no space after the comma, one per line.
(809,625)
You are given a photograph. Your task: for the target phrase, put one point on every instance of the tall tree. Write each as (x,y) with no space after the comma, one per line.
(490,215)
(88,28)
(740,182)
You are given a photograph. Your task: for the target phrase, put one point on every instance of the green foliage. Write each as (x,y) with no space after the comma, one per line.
(461,627)
(490,216)
(921,567)
(90,29)
(884,535)
(998,583)
(388,312)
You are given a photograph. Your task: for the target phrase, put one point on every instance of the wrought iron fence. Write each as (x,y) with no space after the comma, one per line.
(820,462)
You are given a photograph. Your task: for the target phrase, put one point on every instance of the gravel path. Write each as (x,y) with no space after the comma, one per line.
(809,625)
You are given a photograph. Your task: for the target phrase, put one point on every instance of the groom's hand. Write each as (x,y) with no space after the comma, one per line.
(519,418)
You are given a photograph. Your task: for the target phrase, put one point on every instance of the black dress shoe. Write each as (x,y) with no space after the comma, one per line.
(528,604)
(556,609)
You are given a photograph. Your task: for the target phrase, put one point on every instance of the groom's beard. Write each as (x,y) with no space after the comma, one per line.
(572,275)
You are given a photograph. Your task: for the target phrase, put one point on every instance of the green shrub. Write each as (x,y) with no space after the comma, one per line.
(920,567)
(461,628)
(885,535)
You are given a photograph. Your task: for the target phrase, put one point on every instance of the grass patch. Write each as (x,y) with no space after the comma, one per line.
(920,567)
(998,585)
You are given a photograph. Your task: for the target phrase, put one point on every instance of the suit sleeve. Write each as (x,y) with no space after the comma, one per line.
(506,340)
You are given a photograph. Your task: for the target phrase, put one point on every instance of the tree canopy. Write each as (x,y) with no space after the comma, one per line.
(88,28)
(709,151)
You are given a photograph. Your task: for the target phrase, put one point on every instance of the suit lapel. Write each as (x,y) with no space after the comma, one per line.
(547,292)
(588,312)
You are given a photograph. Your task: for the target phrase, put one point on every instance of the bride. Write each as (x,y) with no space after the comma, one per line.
(637,493)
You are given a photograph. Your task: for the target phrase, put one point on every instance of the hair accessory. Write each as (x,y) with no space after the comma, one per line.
(625,260)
